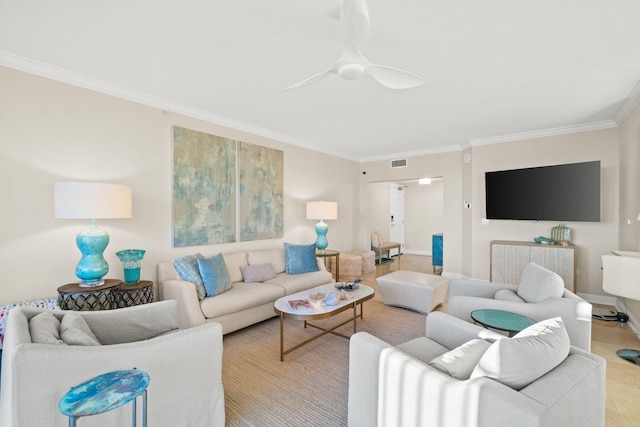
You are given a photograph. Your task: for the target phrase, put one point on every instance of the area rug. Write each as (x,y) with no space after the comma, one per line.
(310,388)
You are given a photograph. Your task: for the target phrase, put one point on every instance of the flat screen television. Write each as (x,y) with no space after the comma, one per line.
(569,192)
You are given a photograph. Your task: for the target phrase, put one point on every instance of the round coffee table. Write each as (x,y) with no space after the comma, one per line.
(502,320)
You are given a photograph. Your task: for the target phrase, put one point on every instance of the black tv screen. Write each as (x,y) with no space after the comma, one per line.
(568,192)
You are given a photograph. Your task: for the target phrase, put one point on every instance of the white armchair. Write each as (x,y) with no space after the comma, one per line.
(541,295)
(185,367)
(400,386)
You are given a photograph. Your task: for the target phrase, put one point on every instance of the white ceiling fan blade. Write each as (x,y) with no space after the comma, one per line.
(310,80)
(394,78)
(355,23)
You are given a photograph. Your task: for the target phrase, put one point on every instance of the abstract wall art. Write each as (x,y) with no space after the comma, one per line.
(225,190)
(204,188)
(261,192)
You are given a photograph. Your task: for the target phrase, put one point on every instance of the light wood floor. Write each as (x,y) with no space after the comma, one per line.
(623,378)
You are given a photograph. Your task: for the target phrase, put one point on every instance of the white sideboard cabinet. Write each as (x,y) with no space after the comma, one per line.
(508,259)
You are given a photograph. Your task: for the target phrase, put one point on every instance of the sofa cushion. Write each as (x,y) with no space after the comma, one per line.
(507,295)
(215,275)
(275,257)
(537,284)
(75,331)
(518,361)
(234,261)
(300,282)
(300,258)
(45,329)
(461,361)
(257,272)
(241,296)
(187,268)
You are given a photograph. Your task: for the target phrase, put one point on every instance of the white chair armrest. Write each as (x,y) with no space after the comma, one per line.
(189,311)
(364,356)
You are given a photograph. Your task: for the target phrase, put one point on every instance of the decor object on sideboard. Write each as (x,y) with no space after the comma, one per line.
(322,210)
(620,277)
(131,263)
(561,235)
(89,200)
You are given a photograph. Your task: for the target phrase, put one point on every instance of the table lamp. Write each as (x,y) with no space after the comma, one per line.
(88,200)
(322,210)
(621,276)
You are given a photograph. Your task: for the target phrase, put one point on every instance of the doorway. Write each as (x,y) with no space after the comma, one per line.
(397,217)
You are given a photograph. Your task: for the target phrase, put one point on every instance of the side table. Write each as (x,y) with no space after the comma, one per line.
(506,321)
(114,293)
(104,393)
(328,253)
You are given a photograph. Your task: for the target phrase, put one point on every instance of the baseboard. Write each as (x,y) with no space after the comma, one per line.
(416,252)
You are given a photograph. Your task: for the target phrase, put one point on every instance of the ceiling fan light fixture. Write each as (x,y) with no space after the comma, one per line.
(351,71)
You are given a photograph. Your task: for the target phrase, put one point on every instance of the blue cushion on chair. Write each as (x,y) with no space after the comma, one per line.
(187,268)
(215,275)
(300,258)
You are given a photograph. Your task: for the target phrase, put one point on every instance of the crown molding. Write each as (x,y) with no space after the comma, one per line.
(629,104)
(563,130)
(30,66)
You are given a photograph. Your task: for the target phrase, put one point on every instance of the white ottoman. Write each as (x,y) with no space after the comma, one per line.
(420,292)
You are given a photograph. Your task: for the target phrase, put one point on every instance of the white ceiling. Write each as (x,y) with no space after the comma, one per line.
(494,69)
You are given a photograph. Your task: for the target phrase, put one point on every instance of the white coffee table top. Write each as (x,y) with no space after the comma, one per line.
(321,311)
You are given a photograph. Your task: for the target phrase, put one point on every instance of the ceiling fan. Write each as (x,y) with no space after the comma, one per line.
(351,65)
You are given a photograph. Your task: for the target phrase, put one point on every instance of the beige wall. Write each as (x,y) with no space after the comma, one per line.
(629,231)
(50,131)
(591,239)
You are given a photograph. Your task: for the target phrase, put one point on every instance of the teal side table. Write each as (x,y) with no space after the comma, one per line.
(502,320)
(105,393)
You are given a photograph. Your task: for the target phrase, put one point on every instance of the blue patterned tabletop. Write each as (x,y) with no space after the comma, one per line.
(104,393)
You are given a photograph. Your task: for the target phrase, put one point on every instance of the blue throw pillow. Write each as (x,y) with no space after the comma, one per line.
(300,258)
(187,268)
(215,275)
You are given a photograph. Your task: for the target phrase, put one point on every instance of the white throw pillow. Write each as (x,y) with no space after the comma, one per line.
(460,362)
(537,284)
(44,328)
(75,331)
(518,361)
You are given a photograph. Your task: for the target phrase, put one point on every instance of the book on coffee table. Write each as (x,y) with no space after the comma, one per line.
(301,305)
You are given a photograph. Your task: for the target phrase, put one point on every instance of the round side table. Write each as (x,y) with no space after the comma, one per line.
(113,294)
(104,393)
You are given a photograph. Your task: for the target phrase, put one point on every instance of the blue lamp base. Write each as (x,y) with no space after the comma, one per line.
(321,230)
(92,267)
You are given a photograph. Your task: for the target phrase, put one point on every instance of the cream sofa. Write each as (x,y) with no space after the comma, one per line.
(185,367)
(399,385)
(245,303)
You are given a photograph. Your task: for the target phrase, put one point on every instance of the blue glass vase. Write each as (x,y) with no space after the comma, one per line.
(131,262)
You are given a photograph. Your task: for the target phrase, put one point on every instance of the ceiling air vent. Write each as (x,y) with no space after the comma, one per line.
(400,163)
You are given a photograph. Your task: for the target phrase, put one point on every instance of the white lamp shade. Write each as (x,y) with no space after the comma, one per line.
(322,210)
(89,200)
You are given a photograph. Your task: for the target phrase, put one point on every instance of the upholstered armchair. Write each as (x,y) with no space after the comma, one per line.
(462,375)
(540,295)
(184,365)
